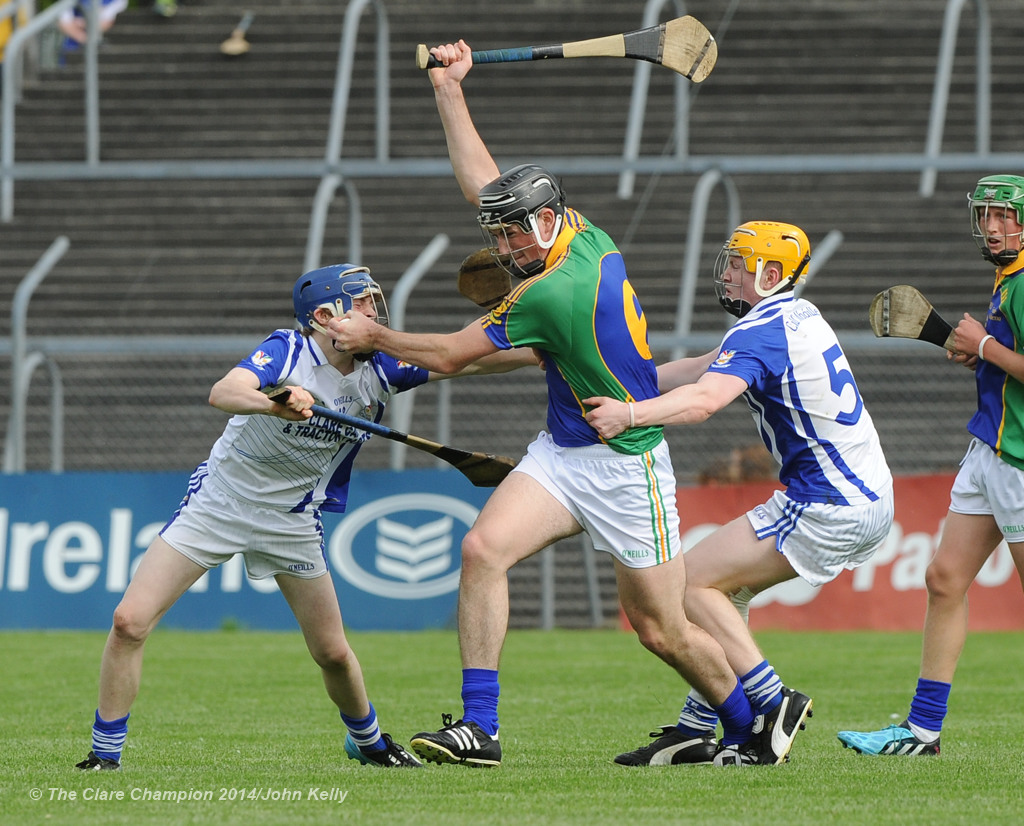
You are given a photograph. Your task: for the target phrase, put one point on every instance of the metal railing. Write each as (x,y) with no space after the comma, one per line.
(402,405)
(24,363)
(943,75)
(638,103)
(12,92)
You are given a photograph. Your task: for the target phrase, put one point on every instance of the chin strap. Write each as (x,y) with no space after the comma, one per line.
(316,325)
(1000,259)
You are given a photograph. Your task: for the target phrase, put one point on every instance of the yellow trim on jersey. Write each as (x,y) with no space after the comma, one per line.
(555,258)
(1002,273)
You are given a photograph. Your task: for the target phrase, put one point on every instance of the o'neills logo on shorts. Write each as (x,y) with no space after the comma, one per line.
(634,553)
(404,546)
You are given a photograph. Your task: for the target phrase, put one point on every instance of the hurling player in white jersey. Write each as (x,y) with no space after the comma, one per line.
(260,494)
(837,508)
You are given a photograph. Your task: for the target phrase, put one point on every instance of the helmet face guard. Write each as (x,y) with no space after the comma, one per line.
(515,199)
(755,244)
(336,288)
(1004,192)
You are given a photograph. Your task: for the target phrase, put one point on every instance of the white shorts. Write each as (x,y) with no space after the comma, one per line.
(988,486)
(626,504)
(821,541)
(211,526)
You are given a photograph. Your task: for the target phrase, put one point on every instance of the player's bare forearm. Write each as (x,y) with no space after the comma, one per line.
(688,404)
(440,353)
(691,403)
(238,393)
(684,405)
(676,373)
(504,361)
(471,161)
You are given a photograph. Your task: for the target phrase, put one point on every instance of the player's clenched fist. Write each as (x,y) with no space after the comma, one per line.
(609,416)
(352,332)
(295,405)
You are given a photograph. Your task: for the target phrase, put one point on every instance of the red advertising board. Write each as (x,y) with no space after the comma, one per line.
(887,592)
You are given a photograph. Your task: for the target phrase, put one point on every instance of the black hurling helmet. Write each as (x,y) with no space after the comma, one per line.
(515,198)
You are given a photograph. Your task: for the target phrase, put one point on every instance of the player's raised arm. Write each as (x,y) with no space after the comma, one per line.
(472,162)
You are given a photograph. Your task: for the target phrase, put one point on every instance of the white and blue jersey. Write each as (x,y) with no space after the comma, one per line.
(805,402)
(303,466)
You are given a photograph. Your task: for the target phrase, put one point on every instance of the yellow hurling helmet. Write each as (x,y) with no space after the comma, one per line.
(757,243)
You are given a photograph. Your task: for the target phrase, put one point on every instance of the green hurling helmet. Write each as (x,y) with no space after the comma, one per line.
(1000,192)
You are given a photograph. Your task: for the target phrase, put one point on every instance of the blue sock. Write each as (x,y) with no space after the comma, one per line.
(108,736)
(763,687)
(737,717)
(364,731)
(929,706)
(480,698)
(698,718)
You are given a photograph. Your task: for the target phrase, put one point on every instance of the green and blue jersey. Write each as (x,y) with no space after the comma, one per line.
(582,314)
(999,421)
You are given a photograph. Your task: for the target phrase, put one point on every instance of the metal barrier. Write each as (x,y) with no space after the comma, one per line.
(20,13)
(336,131)
(335,172)
(943,74)
(638,103)
(402,405)
(691,259)
(12,90)
(685,92)
(24,363)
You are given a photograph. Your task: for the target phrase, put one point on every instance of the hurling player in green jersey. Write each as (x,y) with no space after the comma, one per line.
(573,303)
(987,500)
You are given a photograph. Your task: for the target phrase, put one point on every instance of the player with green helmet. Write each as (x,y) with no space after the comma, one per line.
(987,498)
(997,192)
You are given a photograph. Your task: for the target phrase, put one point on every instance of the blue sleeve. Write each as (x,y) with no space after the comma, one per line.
(752,354)
(400,374)
(272,360)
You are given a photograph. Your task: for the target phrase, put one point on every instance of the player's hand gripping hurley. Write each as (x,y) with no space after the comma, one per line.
(903,312)
(485,470)
(683,45)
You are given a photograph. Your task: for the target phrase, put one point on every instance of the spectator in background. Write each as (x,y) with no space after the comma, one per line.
(165,8)
(75,21)
(7,26)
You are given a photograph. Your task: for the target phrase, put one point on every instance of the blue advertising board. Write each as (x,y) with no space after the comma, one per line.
(69,543)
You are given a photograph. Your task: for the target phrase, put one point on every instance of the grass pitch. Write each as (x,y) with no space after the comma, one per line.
(235,728)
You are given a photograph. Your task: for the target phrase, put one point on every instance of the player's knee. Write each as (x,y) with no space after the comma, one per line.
(651,634)
(944,582)
(130,626)
(334,658)
(478,553)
